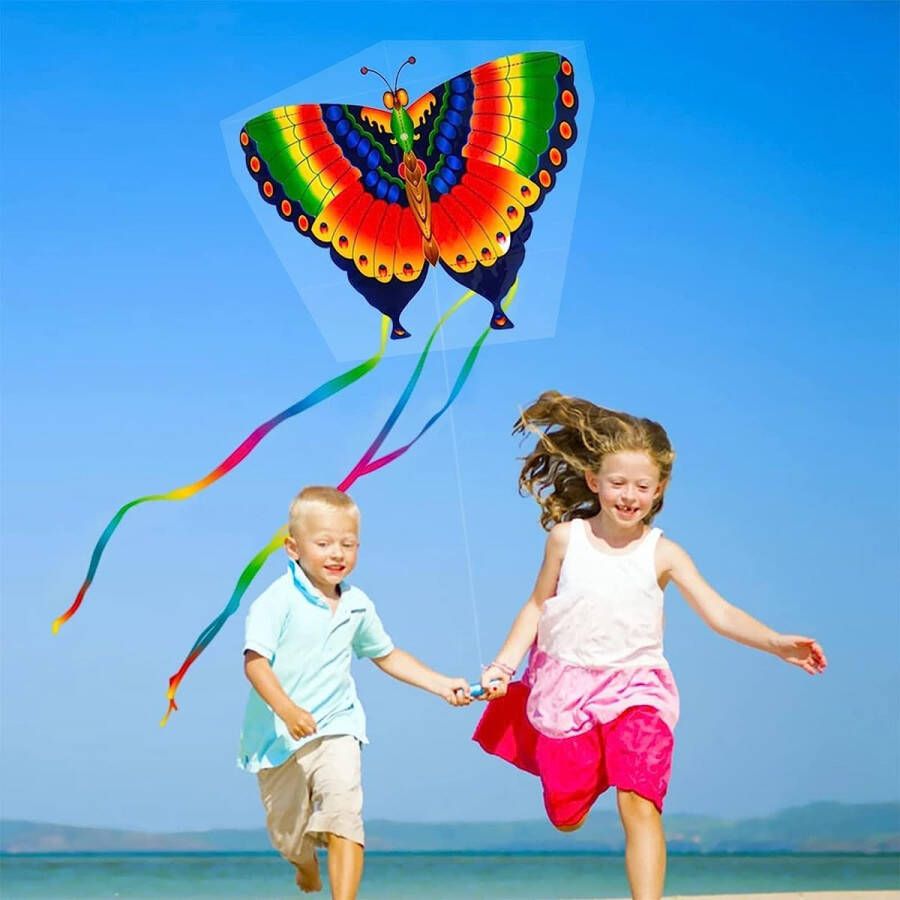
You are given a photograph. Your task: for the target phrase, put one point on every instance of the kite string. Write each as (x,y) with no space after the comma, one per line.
(459,487)
(364,466)
(237,456)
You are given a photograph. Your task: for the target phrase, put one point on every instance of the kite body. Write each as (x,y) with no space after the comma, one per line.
(451,179)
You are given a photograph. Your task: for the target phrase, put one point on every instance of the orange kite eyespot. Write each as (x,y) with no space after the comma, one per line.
(254,164)
(286,207)
(545,179)
(555,156)
(568,99)
(245,138)
(268,188)
(565,131)
(302,223)
(566,67)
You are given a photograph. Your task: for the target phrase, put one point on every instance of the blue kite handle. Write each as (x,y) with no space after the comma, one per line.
(476,690)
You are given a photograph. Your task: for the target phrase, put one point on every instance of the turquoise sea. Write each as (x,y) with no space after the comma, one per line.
(421,876)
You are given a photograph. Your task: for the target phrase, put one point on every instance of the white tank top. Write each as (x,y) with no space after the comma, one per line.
(608,607)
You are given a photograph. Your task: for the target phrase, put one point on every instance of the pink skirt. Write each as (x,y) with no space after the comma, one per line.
(632,752)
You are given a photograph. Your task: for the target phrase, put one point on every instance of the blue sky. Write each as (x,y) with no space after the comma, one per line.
(732,271)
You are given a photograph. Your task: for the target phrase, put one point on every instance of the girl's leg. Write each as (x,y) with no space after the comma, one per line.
(345,867)
(574,827)
(645,846)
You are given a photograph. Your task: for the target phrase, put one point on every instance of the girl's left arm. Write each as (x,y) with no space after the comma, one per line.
(729,620)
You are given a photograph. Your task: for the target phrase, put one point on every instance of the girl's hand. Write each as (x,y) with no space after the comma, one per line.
(801,651)
(494,680)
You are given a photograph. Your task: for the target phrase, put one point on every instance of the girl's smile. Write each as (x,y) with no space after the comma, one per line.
(627,485)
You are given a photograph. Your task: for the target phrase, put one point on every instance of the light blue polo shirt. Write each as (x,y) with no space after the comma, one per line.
(309,649)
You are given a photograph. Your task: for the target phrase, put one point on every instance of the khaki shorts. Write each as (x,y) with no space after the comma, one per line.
(317,792)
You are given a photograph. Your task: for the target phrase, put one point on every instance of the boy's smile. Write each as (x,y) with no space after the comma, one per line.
(325,541)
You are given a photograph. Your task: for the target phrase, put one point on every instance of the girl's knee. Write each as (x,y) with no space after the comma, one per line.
(562,826)
(633,808)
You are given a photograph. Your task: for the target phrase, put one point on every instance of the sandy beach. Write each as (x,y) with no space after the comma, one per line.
(799,895)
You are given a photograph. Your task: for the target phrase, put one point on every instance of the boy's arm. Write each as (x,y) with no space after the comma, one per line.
(732,622)
(259,673)
(404,667)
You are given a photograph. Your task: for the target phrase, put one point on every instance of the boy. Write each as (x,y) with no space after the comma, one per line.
(304,723)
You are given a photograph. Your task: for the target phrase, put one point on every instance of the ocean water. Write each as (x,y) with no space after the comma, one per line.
(421,876)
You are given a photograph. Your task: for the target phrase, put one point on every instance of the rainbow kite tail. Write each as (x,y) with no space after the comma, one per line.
(235,458)
(364,466)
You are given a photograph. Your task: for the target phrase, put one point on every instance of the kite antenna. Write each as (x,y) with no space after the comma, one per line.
(409,62)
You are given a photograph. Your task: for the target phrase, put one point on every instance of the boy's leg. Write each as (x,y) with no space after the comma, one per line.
(336,818)
(345,867)
(285,793)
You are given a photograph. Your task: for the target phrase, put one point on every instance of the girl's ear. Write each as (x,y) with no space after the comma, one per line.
(660,488)
(592,481)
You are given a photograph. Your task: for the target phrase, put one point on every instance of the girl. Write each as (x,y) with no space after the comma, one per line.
(597,704)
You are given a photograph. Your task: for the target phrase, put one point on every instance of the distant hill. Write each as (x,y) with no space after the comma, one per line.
(816,828)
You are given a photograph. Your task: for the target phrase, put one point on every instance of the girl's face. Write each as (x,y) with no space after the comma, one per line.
(627,484)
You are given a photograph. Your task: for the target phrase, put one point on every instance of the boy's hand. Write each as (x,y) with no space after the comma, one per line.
(455,691)
(299,722)
(494,681)
(801,651)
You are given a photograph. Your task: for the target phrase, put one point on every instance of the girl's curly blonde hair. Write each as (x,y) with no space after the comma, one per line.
(573,437)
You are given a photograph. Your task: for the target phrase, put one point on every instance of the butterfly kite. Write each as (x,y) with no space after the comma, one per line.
(452,179)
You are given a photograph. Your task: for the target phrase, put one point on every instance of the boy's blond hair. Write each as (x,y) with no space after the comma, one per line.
(316,496)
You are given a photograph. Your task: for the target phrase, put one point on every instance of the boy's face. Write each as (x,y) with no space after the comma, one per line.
(325,541)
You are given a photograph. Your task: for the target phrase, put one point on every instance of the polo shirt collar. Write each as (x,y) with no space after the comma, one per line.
(306,588)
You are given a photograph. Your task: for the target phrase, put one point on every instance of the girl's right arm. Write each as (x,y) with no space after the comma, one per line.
(259,673)
(524,629)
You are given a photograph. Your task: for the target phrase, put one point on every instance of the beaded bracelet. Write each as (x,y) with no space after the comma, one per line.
(505,669)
